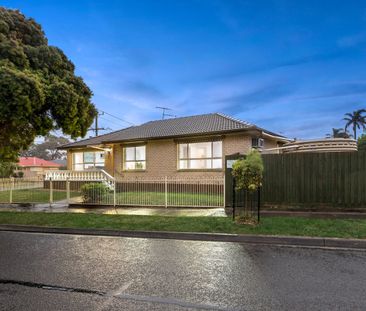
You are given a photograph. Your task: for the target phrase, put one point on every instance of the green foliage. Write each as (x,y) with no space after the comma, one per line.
(357,119)
(48,149)
(39,91)
(361,143)
(338,133)
(7,169)
(19,174)
(94,192)
(248,172)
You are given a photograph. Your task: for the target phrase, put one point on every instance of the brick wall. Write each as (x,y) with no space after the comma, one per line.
(161,158)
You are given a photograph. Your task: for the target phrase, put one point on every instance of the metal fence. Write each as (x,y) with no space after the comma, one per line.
(29,190)
(164,192)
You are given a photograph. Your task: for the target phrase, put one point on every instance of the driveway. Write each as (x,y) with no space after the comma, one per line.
(71,272)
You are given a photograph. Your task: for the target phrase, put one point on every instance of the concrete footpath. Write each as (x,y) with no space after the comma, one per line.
(215,237)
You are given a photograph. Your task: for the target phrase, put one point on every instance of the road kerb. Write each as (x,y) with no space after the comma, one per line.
(198,236)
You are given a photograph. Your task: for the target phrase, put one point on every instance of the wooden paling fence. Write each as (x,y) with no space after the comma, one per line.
(315,179)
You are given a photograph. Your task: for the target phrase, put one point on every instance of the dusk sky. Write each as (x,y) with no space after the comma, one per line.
(292,67)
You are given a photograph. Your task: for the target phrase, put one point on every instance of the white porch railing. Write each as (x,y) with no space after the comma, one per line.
(92,175)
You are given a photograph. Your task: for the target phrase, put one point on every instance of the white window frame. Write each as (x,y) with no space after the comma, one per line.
(188,159)
(93,163)
(124,161)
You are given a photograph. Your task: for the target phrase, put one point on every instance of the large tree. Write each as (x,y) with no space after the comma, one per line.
(47,149)
(39,91)
(356,120)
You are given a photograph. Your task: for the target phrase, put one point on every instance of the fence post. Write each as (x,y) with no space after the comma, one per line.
(68,191)
(259,204)
(11,190)
(114,193)
(51,192)
(234,198)
(166,191)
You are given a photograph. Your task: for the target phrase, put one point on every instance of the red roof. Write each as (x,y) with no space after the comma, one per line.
(34,161)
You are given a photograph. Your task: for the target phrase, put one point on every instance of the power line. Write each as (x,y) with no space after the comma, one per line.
(118,118)
(114,122)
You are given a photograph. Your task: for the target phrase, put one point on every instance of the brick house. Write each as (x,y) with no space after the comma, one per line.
(193,146)
(34,167)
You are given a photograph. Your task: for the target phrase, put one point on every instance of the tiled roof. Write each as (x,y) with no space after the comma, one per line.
(213,123)
(34,161)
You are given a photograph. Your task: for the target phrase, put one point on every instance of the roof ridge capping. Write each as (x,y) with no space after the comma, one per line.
(234,119)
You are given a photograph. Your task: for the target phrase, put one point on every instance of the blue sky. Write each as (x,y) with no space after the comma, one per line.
(293,67)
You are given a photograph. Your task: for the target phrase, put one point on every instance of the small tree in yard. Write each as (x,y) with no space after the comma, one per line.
(248,174)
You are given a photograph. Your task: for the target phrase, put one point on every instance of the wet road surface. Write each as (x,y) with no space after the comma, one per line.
(69,272)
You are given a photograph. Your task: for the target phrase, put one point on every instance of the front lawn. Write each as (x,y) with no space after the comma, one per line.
(34,195)
(176,199)
(296,226)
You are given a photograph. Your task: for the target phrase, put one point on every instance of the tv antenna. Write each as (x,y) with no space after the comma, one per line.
(164,110)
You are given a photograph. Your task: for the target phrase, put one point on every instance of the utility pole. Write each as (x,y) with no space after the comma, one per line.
(96,128)
(164,109)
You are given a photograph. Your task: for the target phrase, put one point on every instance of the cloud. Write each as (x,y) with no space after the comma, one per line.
(352,40)
(141,88)
(258,97)
(314,58)
(340,90)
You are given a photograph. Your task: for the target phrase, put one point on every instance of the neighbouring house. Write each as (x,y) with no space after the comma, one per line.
(193,146)
(317,145)
(33,166)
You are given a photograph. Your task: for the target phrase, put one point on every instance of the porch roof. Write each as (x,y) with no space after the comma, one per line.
(206,124)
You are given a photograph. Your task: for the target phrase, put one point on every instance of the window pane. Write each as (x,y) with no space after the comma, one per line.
(183,164)
(140,165)
(129,165)
(78,157)
(88,166)
(199,164)
(200,150)
(217,163)
(217,149)
(78,167)
(141,153)
(130,153)
(88,157)
(183,151)
(99,156)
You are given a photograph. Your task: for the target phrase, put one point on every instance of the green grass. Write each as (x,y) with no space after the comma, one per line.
(36,195)
(180,199)
(295,226)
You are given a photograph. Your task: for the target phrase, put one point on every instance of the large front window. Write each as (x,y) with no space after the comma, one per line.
(88,160)
(205,155)
(134,158)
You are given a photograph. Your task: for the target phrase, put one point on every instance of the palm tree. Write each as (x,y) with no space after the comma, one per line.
(338,133)
(356,120)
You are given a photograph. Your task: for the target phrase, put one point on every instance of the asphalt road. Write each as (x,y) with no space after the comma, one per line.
(66,272)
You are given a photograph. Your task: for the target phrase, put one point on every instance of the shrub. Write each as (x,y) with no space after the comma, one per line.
(94,192)
(248,172)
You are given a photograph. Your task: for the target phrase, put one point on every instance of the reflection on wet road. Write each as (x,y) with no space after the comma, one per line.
(53,272)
